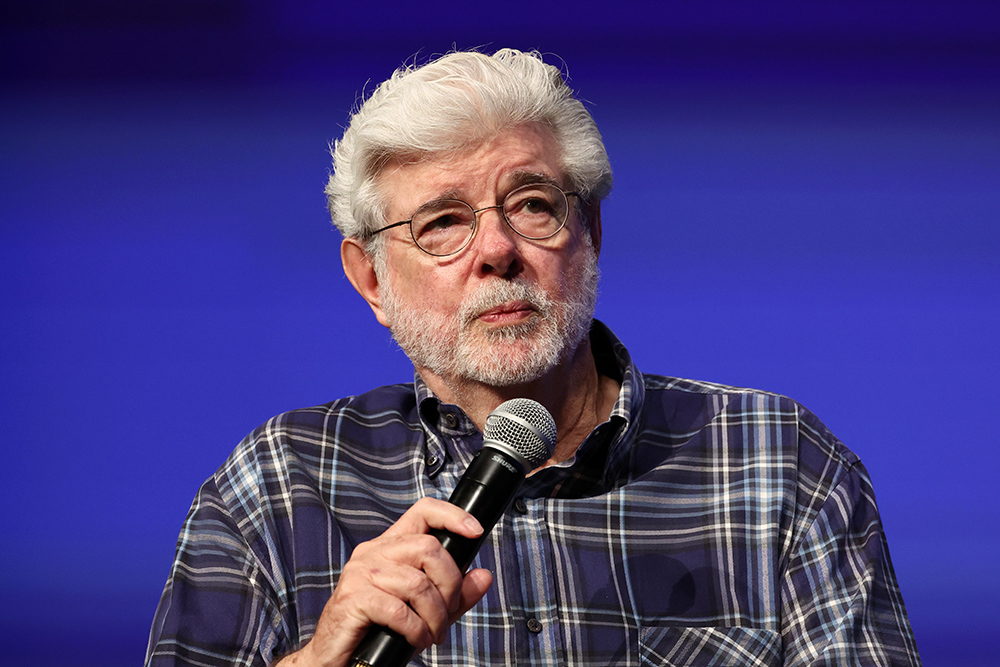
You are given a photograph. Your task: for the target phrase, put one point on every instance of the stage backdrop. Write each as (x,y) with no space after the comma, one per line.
(805,201)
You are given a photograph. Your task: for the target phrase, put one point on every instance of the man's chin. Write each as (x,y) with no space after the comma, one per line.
(506,373)
(506,359)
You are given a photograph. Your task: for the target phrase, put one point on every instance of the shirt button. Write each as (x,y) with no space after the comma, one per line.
(534,625)
(520,506)
(432,460)
(450,420)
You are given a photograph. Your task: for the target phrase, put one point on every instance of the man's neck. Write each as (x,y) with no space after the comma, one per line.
(578,397)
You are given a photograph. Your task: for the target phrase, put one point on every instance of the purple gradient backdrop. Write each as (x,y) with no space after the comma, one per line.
(806,201)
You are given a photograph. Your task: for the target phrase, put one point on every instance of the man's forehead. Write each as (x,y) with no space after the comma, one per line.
(518,157)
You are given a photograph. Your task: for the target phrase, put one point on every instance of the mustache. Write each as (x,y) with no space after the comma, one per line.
(497,293)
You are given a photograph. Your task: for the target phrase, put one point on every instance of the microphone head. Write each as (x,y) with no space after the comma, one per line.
(524,426)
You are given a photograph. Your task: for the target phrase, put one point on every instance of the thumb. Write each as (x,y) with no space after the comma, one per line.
(474,587)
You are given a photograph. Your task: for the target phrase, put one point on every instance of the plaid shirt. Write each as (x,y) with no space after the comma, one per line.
(700,525)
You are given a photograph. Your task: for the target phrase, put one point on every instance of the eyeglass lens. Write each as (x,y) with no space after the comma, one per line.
(534,211)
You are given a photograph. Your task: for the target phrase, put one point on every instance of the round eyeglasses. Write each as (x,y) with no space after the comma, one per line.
(445,226)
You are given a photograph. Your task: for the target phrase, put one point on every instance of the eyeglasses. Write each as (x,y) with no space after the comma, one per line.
(445,226)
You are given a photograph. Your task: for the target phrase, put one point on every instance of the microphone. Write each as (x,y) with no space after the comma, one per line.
(520,435)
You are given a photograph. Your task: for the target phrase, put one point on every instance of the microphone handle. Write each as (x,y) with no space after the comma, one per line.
(484,491)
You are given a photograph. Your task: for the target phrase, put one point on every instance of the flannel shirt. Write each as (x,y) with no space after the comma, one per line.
(700,525)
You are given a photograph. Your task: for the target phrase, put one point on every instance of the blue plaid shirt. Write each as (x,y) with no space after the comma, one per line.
(699,525)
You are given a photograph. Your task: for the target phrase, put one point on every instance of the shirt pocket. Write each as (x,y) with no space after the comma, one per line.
(674,646)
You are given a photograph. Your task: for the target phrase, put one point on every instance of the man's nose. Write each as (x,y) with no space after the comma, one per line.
(496,245)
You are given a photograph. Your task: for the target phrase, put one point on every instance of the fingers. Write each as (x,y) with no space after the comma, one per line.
(424,561)
(415,570)
(429,513)
(404,580)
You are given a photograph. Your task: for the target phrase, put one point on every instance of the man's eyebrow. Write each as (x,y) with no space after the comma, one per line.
(452,194)
(519,178)
(515,180)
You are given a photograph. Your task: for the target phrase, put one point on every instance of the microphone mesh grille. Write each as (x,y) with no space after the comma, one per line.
(526,426)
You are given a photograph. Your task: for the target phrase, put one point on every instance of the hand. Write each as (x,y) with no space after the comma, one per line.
(404,580)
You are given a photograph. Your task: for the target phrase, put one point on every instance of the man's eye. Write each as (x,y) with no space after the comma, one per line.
(441,222)
(537,205)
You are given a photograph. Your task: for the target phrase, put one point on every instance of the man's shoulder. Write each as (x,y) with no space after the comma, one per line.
(374,423)
(745,406)
(386,402)
(667,383)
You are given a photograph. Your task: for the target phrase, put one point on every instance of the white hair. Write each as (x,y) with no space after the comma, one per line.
(458,100)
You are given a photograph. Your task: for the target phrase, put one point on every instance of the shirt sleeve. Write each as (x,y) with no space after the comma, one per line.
(841,602)
(217,607)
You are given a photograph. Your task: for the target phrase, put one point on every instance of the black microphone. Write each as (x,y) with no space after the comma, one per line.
(520,435)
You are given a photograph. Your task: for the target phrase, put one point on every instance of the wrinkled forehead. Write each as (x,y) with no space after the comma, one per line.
(518,156)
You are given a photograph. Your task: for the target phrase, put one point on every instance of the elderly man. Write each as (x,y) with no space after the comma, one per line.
(677,522)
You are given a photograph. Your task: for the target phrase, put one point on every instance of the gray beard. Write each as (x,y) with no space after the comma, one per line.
(455,348)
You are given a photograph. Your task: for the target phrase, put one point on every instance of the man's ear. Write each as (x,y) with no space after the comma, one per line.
(361,272)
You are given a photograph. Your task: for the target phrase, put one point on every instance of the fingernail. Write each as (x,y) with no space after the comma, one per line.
(474,525)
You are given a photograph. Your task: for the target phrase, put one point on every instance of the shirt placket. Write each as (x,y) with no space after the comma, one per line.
(540,625)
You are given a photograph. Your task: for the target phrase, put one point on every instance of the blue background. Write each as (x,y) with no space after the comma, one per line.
(806,201)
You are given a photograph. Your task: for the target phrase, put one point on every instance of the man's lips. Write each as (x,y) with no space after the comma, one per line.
(506,313)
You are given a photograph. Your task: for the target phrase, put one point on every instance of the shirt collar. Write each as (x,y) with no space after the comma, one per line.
(601,458)
(451,435)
